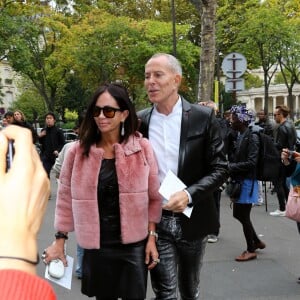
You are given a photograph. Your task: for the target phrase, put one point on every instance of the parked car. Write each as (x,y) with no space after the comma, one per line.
(70,136)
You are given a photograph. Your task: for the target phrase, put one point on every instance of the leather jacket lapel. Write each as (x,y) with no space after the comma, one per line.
(186,107)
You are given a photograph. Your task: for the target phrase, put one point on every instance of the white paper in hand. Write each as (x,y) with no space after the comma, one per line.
(170,185)
(66,280)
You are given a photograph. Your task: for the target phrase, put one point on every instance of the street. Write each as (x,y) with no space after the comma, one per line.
(273,275)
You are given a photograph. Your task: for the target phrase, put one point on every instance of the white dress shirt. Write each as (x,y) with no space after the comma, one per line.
(164,136)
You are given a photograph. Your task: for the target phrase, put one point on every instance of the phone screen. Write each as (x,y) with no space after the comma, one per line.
(9,155)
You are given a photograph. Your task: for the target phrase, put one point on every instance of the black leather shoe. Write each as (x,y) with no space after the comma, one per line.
(259,245)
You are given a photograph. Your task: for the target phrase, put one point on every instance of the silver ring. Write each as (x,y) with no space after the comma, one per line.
(43,255)
(157,261)
(44,261)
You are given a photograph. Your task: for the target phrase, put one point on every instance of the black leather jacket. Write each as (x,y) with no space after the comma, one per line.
(202,165)
(243,158)
(286,136)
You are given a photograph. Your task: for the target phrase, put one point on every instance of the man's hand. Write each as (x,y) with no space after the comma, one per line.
(177,202)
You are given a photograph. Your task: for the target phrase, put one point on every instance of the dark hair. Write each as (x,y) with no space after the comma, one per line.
(89,130)
(8,114)
(283,109)
(50,113)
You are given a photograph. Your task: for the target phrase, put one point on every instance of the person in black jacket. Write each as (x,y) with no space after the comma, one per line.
(242,163)
(265,123)
(52,140)
(186,140)
(285,136)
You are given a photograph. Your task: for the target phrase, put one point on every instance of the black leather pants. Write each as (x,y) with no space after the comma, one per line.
(180,261)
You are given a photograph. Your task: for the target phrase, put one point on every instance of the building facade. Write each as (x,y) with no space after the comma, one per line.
(278,95)
(8,83)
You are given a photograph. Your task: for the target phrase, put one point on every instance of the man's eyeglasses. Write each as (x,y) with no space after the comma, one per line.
(108,112)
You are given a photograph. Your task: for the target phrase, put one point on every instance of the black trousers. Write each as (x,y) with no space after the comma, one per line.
(282,191)
(242,212)
(180,262)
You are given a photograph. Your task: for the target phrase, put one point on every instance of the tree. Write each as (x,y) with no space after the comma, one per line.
(31,50)
(30,103)
(289,62)
(103,47)
(208,50)
(258,39)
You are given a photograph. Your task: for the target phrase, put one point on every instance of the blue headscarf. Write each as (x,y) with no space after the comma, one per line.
(244,115)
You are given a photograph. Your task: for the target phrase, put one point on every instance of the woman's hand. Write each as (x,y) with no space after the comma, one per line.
(285,153)
(152,257)
(55,251)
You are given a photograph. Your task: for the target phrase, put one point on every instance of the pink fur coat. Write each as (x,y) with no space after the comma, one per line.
(140,202)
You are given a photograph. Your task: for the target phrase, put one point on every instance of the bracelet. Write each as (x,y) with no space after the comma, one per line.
(23,259)
(61,235)
(154,233)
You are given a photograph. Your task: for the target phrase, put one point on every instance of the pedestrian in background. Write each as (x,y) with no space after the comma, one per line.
(57,168)
(186,140)
(9,116)
(242,163)
(291,162)
(52,140)
(20,120)
(108,194)
(214,236)
(285,136)
(265,123)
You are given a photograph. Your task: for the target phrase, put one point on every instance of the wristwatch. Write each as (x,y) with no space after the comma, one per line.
(154,233)
(61,235)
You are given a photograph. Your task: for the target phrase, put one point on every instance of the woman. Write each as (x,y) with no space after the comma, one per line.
(108,194)
(242,162)
(291,161)
(19,119)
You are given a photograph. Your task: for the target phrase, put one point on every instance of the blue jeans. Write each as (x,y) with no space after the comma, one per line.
(79,252)
(180,261)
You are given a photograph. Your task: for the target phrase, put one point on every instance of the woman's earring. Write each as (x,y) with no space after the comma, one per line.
(122,129)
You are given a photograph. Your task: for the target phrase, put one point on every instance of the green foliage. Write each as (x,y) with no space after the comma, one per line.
(112,40)
(252,81)
(71,115)
(31,104)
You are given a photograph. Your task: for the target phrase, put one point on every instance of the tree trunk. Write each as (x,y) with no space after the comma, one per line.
(208,50)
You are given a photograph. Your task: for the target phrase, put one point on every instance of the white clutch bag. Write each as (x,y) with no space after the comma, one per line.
(56,269)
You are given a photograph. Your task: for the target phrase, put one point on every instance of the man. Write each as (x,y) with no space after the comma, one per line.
(268,128)
(285,137)
(9,116)
(264,122)
(214,236)
(186,140)
(52,140)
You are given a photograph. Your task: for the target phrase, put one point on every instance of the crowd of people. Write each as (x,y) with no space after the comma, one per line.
(108,191)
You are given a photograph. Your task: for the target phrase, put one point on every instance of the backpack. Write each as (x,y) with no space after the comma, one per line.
(269,163)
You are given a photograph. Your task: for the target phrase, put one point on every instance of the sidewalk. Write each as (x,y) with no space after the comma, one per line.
(272,276)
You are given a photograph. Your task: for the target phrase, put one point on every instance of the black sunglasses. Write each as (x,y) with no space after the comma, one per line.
(109,112)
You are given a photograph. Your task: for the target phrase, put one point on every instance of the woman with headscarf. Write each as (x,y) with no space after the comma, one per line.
(242,162)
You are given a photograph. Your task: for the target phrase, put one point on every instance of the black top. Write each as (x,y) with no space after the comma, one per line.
(108,203)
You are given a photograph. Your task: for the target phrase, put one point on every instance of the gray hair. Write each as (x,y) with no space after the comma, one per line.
(173,62)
